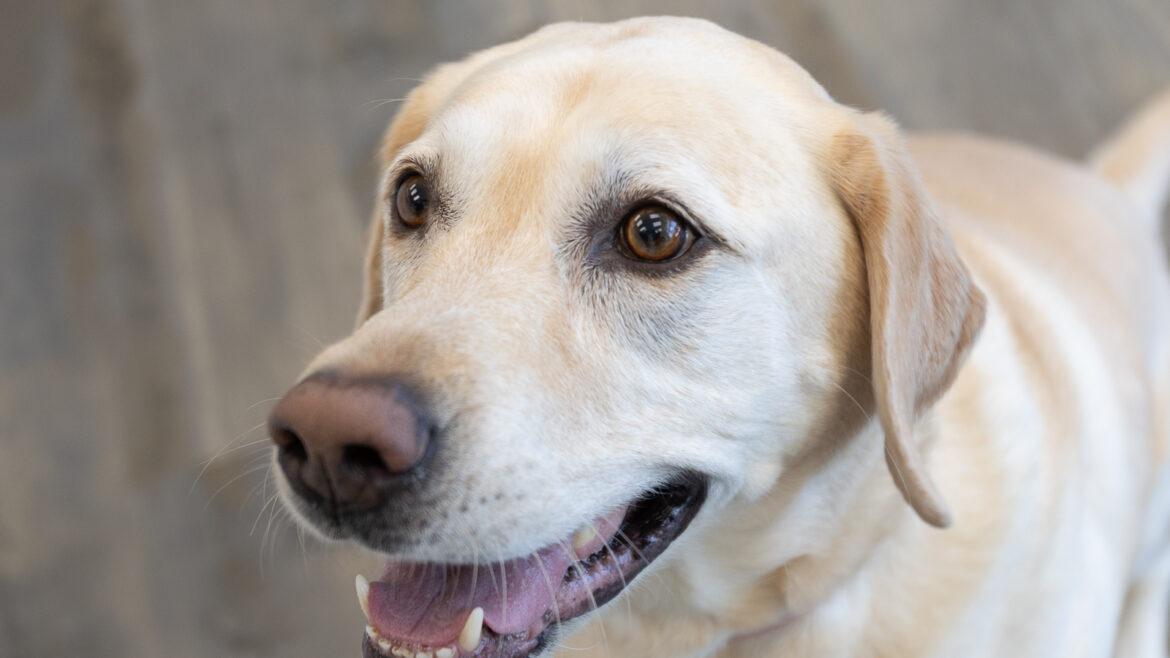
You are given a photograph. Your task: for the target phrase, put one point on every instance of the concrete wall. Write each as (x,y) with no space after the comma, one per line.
(183,189)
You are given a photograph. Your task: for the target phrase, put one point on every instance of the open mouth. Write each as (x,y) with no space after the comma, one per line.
(513,609)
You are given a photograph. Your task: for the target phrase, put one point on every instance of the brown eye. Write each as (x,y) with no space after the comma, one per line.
(655,234)
(411,201)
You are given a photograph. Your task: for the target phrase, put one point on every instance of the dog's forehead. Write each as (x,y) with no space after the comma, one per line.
(652,81)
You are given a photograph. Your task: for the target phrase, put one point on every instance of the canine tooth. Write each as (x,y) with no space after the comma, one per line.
(371,632)
(583,537)
(472,631)
(363,592)
(445,653)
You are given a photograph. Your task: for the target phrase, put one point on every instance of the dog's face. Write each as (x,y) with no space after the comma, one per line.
(616,285)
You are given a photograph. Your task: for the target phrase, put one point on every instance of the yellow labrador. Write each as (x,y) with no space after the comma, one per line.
(658,342)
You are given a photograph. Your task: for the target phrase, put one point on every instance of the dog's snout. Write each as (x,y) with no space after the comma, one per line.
(347,441)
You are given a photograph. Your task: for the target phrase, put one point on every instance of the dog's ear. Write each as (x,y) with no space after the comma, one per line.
(407,125)
(925,311)
(372,285)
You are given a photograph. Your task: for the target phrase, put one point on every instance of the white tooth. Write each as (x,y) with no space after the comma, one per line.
(424,654)
(371,632)
(583,537)
(384,644)
(402,652)
(445,653)
(472,631)
(363,592)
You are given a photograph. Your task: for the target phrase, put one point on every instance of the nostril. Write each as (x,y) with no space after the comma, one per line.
(290,444)
(364,461)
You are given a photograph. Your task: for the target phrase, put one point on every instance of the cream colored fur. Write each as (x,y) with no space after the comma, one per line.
(969,326)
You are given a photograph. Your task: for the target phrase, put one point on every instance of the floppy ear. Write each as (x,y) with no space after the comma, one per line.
(372,286)
(405,128)
(925,311)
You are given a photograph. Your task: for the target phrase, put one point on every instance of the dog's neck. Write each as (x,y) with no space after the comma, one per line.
(716,596)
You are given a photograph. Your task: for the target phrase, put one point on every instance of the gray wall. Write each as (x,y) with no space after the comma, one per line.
(183,187)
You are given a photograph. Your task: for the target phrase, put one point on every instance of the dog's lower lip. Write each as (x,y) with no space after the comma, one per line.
(648,527)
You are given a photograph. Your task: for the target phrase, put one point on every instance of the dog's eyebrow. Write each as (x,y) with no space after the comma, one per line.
(618,191)
(424,163)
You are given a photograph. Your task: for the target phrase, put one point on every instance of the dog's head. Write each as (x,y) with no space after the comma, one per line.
(622,279)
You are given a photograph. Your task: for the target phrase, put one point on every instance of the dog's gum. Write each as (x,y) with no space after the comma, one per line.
(391,650)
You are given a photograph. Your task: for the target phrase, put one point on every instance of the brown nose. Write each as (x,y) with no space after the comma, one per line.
(346,441)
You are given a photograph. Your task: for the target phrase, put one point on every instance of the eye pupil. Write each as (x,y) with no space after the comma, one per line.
(418,197)
(412,200)
(653,229)
(655,234)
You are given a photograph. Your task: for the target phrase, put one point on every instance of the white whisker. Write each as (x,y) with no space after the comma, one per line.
(853,399)
(229,483)
(222,451)
(576,564)
(548,583)
(377,103)
(625,585)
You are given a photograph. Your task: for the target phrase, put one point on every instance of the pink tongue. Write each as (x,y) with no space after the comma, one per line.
(429,603)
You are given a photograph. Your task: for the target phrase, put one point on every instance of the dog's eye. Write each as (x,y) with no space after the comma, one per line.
(411,201)
(655,234)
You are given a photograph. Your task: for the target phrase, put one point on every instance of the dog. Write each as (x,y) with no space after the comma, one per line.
(664,353)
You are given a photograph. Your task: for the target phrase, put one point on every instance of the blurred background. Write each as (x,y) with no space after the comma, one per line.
(183,193)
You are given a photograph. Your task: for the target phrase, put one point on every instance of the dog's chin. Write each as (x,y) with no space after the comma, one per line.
(519,608)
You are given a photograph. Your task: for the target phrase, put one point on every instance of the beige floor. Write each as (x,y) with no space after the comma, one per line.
(182,192)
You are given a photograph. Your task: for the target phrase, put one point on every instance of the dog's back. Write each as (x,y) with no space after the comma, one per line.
(1073,264)
(1138,161)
